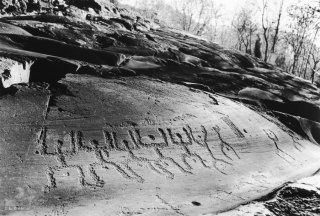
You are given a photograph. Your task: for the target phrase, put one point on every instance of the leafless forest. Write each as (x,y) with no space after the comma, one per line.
(284,33)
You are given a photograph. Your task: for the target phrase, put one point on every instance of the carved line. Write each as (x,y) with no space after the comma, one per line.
(111,143)
(160,155)
(205,144)
(272,136)
(223,144)
(285,129)
(60,157)
(233,127)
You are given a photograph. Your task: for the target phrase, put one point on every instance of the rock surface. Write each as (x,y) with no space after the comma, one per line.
(296,198)
(107,113)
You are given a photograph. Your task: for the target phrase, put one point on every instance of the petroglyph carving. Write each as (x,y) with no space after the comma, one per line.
(203,142)
(233,127)
(191,145)
(226,148)
(295,140)
(281,153)
(87,173)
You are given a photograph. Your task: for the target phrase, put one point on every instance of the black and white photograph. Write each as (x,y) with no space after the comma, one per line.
(160,107)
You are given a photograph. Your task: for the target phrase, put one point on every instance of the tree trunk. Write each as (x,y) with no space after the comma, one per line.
(265,35)
(295,59)
(257,48)
(275,37)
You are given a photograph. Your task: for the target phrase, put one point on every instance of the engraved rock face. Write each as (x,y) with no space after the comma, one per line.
(139,145)
(117,116)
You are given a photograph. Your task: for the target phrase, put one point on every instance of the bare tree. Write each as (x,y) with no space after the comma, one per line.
(314,62)
(265,28)
(310,52)
(304,20)
(210,21)
(245,29)
(187,14)
(197,16)
(276,32)
(270,27)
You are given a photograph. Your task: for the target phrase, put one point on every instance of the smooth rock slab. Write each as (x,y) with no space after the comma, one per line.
(93,146)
